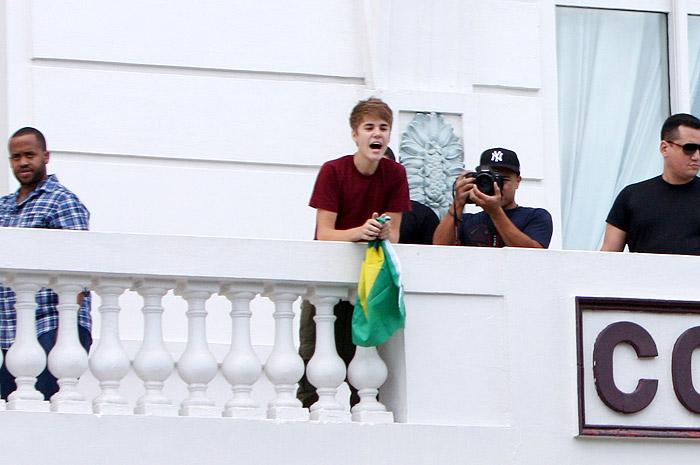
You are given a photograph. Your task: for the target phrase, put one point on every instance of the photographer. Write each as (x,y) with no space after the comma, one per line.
(502,222)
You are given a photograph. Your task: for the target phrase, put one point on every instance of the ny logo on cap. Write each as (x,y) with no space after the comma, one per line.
(497,156)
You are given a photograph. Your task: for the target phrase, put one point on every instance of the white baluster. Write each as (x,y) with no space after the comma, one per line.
(284,367)
(26,359)
(197,366)
(326,370)
(367,372)
(153,363)
(68,359)
(241,367)
(109,362)
(3,404)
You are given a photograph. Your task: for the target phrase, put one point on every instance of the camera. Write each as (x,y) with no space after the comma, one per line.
(484,177)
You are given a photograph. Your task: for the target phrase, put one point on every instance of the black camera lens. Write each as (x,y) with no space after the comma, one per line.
(484,182)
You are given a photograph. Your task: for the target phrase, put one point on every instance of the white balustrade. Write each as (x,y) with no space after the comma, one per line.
(68,359)
(197,366)
(241,367)
(26,359)
(326,370)
(113,354)
(284,367)
(153,363)
(109,362)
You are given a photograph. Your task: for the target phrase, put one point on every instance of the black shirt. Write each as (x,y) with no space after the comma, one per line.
(418,225)
(659,217)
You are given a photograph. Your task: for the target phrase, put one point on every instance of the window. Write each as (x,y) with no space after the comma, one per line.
(613,99)
(694,49)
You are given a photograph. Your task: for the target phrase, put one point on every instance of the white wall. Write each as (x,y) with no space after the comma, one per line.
(213,118)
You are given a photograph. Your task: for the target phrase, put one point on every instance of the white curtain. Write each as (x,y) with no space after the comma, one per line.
(694,48)
(613,99)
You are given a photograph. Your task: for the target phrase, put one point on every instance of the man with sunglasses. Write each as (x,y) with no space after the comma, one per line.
(662,214)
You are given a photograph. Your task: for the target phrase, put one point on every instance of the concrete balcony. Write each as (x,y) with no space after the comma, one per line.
(494,365)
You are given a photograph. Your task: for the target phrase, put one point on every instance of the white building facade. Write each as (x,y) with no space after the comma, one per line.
(193,132)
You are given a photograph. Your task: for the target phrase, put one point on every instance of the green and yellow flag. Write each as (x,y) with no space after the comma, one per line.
(379,310)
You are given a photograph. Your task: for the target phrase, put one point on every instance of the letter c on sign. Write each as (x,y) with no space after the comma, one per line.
(681,368)
(605,343)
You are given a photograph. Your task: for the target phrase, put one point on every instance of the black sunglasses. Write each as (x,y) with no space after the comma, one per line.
(688,149)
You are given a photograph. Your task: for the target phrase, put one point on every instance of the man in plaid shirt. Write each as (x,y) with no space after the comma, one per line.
(40,202)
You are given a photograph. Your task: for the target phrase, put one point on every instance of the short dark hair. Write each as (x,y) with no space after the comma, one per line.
(388,153)
(371,107)
(670,128)
(29,130)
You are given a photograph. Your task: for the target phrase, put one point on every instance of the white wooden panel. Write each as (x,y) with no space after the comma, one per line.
(514,123)
(531,194)
(183,200)
(304,36)
(193,116)
(484,355)
(428,47)
(507,44)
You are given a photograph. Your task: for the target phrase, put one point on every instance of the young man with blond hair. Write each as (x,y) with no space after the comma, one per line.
(350,193)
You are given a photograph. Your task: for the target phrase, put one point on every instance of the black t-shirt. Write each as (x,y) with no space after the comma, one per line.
(418,225)
(659,217)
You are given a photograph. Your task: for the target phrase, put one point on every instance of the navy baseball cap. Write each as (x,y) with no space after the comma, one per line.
(500,158)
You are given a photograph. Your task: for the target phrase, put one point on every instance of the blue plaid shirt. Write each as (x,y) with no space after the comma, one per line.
(50,206)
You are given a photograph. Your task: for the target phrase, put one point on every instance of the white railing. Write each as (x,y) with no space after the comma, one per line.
(488,362)
(197,366)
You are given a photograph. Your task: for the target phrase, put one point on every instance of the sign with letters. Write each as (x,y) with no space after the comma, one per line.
(636,372)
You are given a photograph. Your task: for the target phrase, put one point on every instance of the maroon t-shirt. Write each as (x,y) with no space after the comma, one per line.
(342,189)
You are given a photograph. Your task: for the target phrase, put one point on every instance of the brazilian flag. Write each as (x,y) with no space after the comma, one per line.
(379,310)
